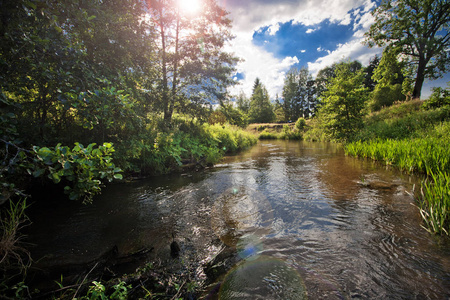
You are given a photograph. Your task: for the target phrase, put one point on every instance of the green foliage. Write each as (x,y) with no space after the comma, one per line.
(286,134)
(234,116)
(429,155)
(261,110)
(384,96)
(341,111)
(298,94)
(191,54)
(12,253)
(300,124)
(415,141)
(434,202)
(439,98)
(266,135)
(419,155)
(404,120)
(188,142)
(389,70)
(83,167)
(424,46)
(97,291)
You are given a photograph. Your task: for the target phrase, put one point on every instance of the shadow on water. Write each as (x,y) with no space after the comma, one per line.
(301,218)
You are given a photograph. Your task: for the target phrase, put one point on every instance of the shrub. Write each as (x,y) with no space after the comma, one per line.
(266,135)
(83,167)
(300,124)
(439,98)
(385,96)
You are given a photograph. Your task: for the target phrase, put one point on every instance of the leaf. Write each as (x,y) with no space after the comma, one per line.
(55,177)
(118,176)
(92,18)
(38,172)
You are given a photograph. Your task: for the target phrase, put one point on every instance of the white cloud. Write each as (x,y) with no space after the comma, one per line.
(273,29)
(303,51)
(353,50)
(346,20)
(259,63)
(251,16)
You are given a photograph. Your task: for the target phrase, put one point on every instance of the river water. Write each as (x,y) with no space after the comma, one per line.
(305,220)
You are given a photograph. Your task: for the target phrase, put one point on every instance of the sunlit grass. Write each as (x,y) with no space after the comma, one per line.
(429,154)
(434,203)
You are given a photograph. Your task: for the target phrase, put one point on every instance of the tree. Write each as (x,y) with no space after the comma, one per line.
(388,76)
(261,110)
(54,52)
(296,93)
(192,62)
(243,103)
(368,80)
(418,30)
(326,74)
(342,107)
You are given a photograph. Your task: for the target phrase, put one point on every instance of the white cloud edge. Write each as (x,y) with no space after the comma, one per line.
(271,70)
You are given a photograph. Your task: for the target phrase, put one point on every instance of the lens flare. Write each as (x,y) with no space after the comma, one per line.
(190,7)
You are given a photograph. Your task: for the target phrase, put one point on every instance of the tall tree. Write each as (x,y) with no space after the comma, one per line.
(51,49)
(417,29)
(341,110)
(243,103)
(261,110)
(297,94)
(192,62)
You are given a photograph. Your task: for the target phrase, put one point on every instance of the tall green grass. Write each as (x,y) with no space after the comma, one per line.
(418,155)
(415,141)
(434,203)
(286,134)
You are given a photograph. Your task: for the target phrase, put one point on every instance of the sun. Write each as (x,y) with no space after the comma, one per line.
(190,7)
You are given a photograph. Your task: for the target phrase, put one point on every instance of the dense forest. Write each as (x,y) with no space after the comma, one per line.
(92,91)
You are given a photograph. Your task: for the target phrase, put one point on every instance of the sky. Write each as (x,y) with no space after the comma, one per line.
(274,35)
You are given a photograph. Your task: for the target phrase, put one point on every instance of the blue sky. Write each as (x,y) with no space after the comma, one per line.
(272,36)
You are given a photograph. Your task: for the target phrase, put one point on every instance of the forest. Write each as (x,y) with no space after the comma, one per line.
(98,91)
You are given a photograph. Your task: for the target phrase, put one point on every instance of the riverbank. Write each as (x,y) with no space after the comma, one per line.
(184,146)
(414,139)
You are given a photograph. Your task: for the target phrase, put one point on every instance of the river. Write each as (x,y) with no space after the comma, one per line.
(304,220)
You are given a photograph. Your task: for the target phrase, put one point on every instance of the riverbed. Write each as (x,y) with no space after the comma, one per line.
(302,220)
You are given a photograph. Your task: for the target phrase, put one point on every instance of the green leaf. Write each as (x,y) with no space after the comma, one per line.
(118,176)
(55,177)
(38,172)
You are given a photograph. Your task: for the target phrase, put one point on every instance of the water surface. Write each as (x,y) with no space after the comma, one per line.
(302,216)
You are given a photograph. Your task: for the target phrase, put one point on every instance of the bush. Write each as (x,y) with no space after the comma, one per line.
(266,135)
(385,96)
(81,168)
(439,98)
(300,124)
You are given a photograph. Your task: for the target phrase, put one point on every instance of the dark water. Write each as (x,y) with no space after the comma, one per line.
(304,218)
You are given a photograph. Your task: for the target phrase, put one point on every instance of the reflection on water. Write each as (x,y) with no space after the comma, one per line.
(343,227)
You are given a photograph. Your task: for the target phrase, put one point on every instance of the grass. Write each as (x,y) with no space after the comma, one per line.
(434,203)
(15,259)
(276,131)
(416,141)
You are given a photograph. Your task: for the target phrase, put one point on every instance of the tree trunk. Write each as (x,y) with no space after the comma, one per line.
(173,96)
(165,92)
(420,78)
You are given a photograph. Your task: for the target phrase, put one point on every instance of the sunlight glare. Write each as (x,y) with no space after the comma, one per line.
(190,7)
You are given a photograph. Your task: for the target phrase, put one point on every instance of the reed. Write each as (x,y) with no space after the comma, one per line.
(434,203)
(430,156)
